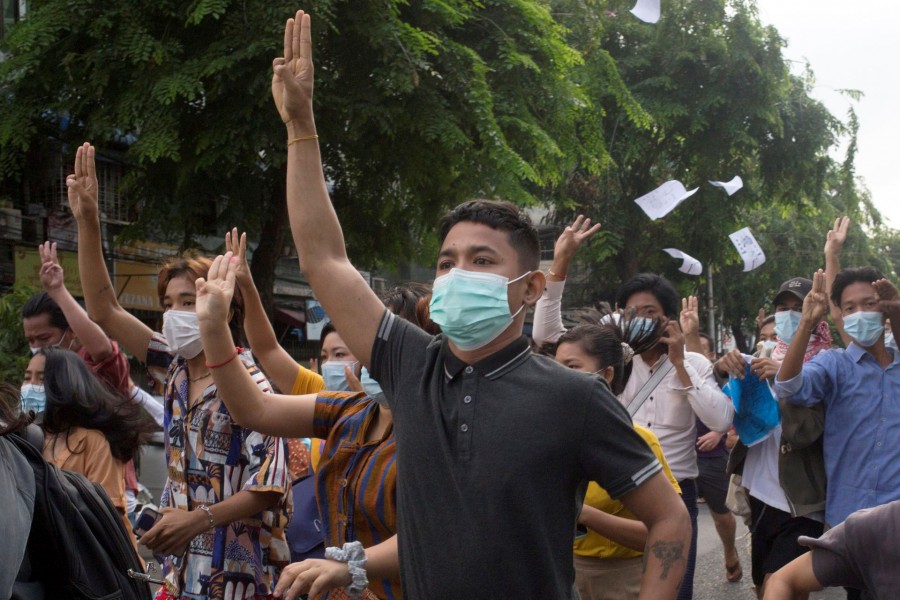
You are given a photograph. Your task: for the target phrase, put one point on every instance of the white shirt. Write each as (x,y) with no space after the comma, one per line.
(760,475)
(672,409)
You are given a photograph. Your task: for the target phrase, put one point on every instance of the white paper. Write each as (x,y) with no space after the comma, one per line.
(664,199)
(691,265)
(730,187)
(748,248)
(646,10)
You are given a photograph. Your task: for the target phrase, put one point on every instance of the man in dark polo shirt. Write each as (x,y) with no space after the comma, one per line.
(495,444)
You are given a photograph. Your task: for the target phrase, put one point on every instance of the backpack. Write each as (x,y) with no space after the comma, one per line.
(78,547)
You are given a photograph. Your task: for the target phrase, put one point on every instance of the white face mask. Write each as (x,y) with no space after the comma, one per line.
(182,332)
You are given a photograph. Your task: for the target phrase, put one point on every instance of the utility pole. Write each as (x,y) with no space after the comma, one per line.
(711,308)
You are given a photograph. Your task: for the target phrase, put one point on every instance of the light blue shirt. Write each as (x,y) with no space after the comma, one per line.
(862,425)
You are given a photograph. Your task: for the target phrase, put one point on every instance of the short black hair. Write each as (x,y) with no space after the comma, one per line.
(849,276)
(43,304)
(327,328)
(657,285)
(503,216)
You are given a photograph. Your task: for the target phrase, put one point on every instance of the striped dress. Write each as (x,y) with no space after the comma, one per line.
(356,480)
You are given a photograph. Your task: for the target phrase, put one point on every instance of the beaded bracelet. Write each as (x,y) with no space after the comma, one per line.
(354,555)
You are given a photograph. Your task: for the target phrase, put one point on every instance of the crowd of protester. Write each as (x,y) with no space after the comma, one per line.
(437,452)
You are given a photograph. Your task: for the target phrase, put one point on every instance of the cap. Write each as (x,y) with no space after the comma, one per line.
(798,286)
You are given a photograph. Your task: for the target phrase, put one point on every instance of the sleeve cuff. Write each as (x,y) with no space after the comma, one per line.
(553,290)
(787,388)
(696,380)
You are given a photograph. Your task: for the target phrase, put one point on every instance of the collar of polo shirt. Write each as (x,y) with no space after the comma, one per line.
(494,365)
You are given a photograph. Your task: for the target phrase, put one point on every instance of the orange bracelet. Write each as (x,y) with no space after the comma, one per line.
(222,364)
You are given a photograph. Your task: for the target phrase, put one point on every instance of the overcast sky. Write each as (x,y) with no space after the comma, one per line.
(852,45)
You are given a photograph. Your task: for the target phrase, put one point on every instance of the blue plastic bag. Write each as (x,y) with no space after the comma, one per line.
(756,411)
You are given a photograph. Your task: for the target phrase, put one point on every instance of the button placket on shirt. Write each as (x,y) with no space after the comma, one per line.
(467,412)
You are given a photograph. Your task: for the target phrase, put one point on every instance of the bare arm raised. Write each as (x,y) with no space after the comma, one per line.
(348,300)
(834,243)
(277,363)
(815,306)
(269,414)
(91,336)
(99,293)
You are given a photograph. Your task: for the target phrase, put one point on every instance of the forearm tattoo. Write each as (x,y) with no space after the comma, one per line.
(667,553)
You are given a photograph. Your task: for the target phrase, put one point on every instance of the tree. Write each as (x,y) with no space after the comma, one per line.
(14,354)
(714,97)
(420,105)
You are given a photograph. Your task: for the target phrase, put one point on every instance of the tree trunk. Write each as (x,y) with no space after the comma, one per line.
(271,242)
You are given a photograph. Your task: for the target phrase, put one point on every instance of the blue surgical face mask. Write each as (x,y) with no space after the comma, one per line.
(786,323)
(33,398)
(472,308)
(864,327)
(769,344)
(370,385)
(889,340)
(334,376)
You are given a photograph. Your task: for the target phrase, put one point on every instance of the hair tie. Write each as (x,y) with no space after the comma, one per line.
(627,352)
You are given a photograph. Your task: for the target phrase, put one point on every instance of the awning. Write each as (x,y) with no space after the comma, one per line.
(290,316)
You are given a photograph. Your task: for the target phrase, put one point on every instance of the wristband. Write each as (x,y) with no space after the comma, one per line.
(222,364)
(302,138)
(209,515)
(354,555)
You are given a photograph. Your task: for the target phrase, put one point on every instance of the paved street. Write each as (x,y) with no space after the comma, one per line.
(709,578)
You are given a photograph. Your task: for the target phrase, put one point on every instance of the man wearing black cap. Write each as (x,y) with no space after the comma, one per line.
(786,484)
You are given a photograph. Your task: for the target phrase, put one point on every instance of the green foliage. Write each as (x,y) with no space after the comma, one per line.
(706,94)
(14,353)
(419,106)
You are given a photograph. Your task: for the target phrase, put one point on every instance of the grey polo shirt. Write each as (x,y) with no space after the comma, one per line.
(493,459)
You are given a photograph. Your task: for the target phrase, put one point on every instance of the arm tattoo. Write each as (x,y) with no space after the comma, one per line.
(668,553)
(103,289)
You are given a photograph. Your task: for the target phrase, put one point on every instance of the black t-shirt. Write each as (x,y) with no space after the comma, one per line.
(493,459)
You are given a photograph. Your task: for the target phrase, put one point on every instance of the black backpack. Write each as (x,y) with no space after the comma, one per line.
(78,546)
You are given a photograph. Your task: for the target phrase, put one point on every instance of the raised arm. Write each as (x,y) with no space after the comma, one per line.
(346,297)
(270,414)
(91,336)
(834,243)
(815,305)
(690,324)
(279,366)
(99,293)
(548,325)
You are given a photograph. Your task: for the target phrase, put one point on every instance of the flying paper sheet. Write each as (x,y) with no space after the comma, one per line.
(664,199)
(691,265)
(748,248)
(646,10)
(730,187)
